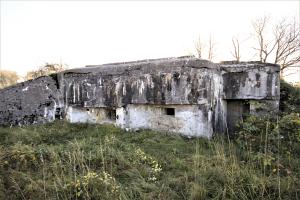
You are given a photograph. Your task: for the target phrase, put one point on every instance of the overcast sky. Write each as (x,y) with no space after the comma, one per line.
(80,33)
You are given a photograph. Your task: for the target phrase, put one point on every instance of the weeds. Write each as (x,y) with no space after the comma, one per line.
(80,161)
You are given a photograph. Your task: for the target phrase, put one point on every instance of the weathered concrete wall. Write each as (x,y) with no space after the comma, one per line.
(189,120)
(178,81)
(253,84)
(167,82)
(35,101)
(134,95)
(251,81)
(88,115)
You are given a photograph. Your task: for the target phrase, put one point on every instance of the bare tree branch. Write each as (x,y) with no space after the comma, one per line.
(211,48)
(287,36)
(236,49)
(199,45)
(259,27)
(283,47)
(264,49)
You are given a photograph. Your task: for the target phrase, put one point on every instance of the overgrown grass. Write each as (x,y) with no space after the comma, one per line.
(81,161)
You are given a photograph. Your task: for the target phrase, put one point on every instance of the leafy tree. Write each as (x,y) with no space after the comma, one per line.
(8,78)
(48,68)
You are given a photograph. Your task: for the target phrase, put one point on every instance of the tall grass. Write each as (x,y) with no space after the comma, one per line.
(81,161)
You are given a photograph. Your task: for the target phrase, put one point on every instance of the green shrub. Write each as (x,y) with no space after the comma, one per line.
(289,97)
(272,146)
(270,135)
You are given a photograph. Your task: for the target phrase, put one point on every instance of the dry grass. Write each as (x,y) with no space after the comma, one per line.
(80,161)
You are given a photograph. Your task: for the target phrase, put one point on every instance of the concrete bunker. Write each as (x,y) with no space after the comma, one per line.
(184,95)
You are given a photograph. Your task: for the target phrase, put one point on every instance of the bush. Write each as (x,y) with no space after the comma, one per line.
(273,146)
(289,97)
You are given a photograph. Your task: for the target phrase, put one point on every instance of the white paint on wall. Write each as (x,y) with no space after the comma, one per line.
(189,120)
(117,88)
(121,117)
(78,92)
(77,115)
(88,115)
(25,89)
(45,112)
(124,88)
(49,112)
(141,87)
(74,93)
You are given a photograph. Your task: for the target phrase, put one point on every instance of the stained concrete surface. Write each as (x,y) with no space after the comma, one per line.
(139,91)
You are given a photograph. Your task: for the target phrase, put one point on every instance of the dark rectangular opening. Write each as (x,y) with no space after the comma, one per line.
(237,111)
(111,114)
(57,113)
(170,111)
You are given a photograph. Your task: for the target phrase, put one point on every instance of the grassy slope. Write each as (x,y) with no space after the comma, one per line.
(80,161)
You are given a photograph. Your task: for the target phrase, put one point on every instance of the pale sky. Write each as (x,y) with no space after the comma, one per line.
(80,33)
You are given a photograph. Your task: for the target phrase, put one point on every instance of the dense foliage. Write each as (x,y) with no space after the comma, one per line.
(289,97)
